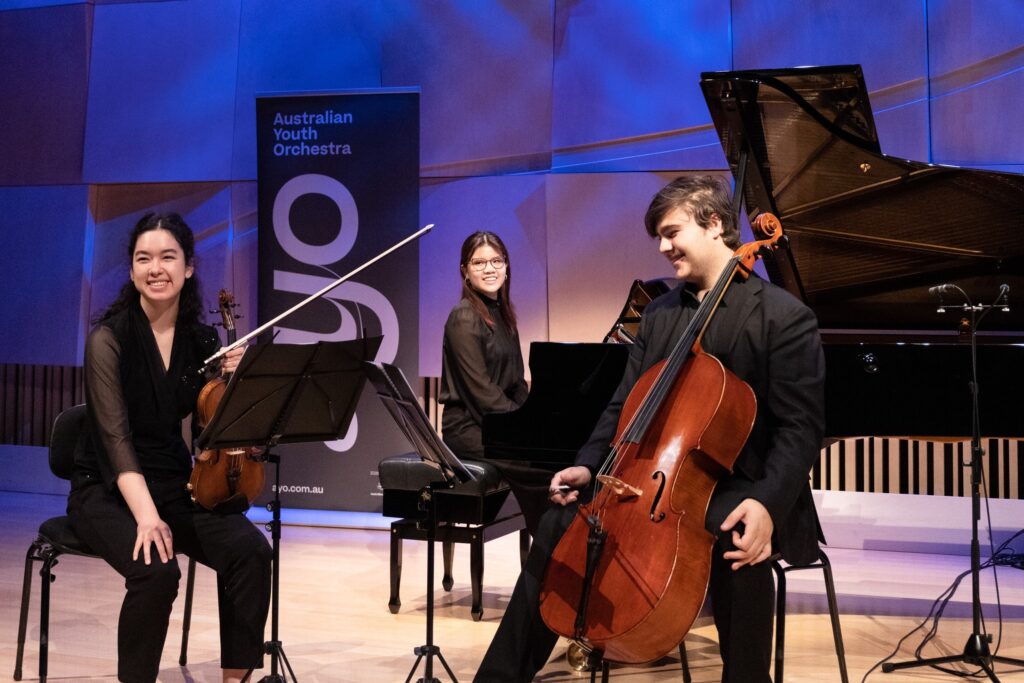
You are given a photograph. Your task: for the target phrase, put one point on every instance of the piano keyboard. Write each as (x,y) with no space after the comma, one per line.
(888,465)
(884,465)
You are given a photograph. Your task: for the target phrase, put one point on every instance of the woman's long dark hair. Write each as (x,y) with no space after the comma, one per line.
(190,305)
(473,242)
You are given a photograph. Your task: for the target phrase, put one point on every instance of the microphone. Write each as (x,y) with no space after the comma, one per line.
(939,290)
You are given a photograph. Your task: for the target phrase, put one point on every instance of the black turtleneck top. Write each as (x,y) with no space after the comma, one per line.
(481,372)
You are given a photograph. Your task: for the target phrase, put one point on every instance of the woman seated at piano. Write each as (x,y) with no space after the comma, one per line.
(482,365)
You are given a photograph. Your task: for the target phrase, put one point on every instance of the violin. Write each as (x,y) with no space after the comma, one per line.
(225,479)
(628,577)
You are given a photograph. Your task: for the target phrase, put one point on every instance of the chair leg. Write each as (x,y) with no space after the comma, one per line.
(26,593)
(49,556)
(394,604)
(448,550)
(833,611)
(476,573)
(187,621)
(684,662)
(524,547)
(780,619)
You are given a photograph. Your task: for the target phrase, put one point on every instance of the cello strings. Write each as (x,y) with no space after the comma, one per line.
(663,383)
(678,357)
(659,389)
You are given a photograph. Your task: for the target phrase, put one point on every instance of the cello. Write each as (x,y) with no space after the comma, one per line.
(225,479)
(629,576)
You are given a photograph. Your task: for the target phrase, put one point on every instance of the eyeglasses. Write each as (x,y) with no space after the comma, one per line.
(498,263)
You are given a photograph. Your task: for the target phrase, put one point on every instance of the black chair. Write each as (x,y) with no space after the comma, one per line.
(56,538)
(781,570)
(780,611)
(472,512)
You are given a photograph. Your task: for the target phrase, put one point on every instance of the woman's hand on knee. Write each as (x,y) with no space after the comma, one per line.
(154,532)
(151,529)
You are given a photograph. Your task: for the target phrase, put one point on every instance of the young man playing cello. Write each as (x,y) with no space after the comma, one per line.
(769,340)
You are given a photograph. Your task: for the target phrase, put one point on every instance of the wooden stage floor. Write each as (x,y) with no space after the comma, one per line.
(336,627)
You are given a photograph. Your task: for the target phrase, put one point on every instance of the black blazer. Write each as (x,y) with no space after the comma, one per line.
(770,340)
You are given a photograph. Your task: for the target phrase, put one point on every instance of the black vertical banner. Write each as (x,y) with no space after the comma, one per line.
(338,183)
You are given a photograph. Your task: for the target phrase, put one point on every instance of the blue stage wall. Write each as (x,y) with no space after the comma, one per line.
(549,121)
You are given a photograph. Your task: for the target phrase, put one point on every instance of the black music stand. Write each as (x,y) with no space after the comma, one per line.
(288,393)
(397,396)
(976,650)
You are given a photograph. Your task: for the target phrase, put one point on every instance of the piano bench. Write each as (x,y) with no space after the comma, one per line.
(472,512)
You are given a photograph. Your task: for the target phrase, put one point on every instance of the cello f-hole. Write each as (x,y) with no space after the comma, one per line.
(657,497)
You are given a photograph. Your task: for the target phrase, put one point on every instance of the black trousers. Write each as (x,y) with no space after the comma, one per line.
(530,487)
(229,544)
(742,605)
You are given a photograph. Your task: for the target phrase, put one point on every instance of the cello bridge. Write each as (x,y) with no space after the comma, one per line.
(619,487)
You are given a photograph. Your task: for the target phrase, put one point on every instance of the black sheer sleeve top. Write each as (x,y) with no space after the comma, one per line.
(481,372)
(135,405)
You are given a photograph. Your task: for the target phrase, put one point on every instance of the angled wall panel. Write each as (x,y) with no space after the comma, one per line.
(977,76)
(315,45)
(46,233)
(161,92)
(30,4)
(597,246)
(241,273)
(886,38)
(484,72)
(117,208)
(484,69)
(626,84)
(514,208)
(44,62)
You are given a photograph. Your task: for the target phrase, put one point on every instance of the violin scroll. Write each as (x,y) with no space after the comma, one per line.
(225,307)
(227,479)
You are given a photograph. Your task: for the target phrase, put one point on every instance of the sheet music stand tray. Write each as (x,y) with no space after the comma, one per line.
(288,393)
(397,396)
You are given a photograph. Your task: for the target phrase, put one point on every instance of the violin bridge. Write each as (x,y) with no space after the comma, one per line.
(619,487)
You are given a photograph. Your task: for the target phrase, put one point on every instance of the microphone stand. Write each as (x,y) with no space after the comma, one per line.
(976,651)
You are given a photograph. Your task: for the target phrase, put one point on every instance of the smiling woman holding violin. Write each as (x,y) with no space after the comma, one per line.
(764,345)
(128,497)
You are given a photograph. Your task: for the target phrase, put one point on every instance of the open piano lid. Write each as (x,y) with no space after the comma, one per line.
(868,233)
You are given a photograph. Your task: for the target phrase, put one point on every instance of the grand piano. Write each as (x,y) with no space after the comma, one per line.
(867,236)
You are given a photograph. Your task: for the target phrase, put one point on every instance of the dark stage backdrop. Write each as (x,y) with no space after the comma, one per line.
(338,183)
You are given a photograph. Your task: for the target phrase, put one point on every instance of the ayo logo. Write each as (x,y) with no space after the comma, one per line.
(326,254)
